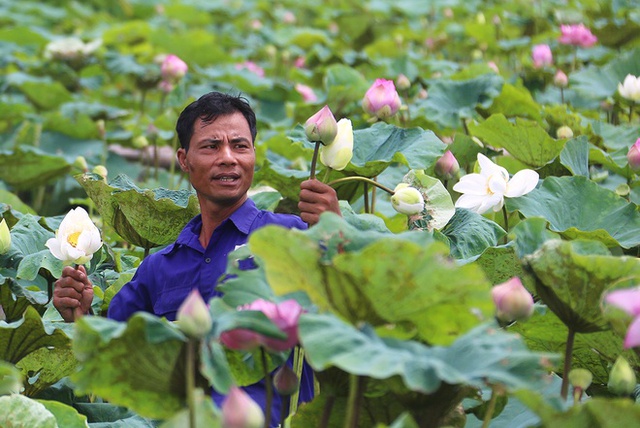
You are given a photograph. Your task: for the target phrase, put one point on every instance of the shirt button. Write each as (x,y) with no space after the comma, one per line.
(207,260)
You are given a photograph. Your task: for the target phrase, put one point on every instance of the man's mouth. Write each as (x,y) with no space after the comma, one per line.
(226,178)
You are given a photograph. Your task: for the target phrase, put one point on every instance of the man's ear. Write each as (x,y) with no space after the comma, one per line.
(181,154)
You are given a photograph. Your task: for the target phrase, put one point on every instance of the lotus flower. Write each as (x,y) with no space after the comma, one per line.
(284,315)
(5,237)
(407,200)
(338,154)
(240,411)
(307,93)
(542,56)
(577,35)
(76,239)
(633,156)
(173,68)
(322,126)
(193,316)
(629,301)
(513,301)
(252,67)
(71,50)
(381,99)
(630,88)
(487,190)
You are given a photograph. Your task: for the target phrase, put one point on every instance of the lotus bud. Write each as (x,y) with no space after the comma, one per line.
(581,380)
(448,13)
(5,237)
(166,86)
(496,20)
(480,18)
(492,65)
(338,154)
(402,82)
(140,142)
(633,156)
(240,411)
(381,99)
(622,378)
(81,164)
(285,380)
(193,316)
(476,54)
(322,126)
(630,88)
(407,200)
(447,167)
(101,170)
(542,56)
(173,68)
(240,339)
(513,301)
(423,94)
(564,132)
(102,131)
(560,79)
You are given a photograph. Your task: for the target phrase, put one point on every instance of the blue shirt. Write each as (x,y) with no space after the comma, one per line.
(164,279)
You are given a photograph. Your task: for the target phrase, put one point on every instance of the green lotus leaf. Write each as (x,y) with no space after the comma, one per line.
(530,234)
(575,156)
(43,92)
(484,354)
(451,101)
(525,140)
(344,84)
(437,201)
(19,411)
(579,208)
(596,352)
(26,167)
(470,234)
(144,217)
(66,416)
(205,414)
(13,202)
(600,82)
(11,380)
(144,355)
(14,300)
(615,161)
(571,277)
(515,100)
(616,137)
(346,272)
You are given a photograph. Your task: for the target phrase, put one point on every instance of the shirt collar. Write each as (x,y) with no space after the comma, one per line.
(242,218)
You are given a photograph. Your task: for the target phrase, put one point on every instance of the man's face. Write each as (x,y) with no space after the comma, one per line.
(220,160)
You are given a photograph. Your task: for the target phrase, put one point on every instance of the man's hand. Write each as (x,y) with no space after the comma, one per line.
(73,293)
(316,198)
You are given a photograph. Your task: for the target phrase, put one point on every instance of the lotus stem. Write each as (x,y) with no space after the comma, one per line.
(373,197)
(191,383)
(491,408)
(326,411)
(298,363)
(358,178)
(366,197)
(269,388)
(353,403)
(505,214)
(568,352)
(314,160)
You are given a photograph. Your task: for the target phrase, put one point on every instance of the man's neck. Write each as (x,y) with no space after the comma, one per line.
(213,214)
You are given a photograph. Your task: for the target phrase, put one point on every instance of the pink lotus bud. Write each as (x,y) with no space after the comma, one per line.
(173,68)
(447,166)
(289,17)
(300,62)
(193,316)
(381,99)
(256,24)
(322,126)
(307,93)
(560,79)
(252,67)
(165,86)
(541,55)
(492,65)
(240,411)
(402,82)
(285,316)
(513,301)
(577,35)
(240,339)
(633,156)
(285,380)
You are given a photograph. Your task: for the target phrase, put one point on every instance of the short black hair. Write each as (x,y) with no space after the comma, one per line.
(208,108)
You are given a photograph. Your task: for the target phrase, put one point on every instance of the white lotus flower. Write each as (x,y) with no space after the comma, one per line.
(338,154)
(407,200)
(76,240)
(486,190)
(70,48)
(630,88)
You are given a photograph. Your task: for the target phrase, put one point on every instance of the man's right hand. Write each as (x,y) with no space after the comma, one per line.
(73,293)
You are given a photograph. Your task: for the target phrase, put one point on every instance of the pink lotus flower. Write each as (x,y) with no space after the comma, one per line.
(252,67)
(542,56)
(629,301)
(633,156)
(284,315)
(173,68)
(240,411)
(577,35)
(307,93)
(513,301)
(382,99)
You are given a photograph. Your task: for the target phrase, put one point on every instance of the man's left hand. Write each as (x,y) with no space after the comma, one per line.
(316,198)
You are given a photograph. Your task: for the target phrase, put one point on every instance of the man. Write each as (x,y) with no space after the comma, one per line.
(217,134)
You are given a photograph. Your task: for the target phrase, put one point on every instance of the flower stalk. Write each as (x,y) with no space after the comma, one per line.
(358,178)
(191,382)
(353,403)
(491,407)
(314,160)
(268,386)
(568,352)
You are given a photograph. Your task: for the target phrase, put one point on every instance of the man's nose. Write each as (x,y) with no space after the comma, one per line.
(226,154)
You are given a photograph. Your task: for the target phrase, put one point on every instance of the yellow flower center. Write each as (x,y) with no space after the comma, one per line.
(73,239)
